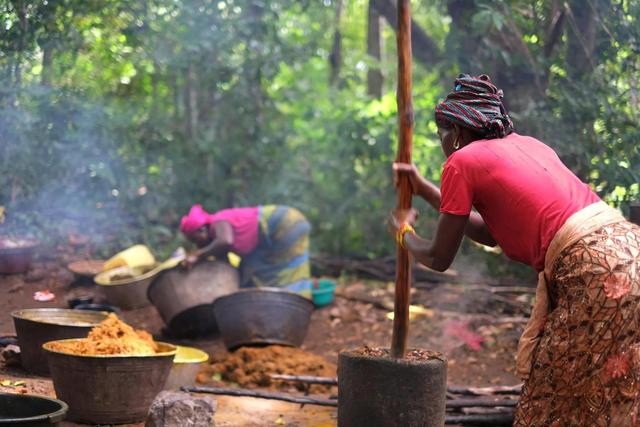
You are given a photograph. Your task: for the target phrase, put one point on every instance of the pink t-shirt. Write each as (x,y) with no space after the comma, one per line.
(520,187)
(244,222)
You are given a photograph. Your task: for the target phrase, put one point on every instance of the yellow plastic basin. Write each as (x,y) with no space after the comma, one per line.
(186,364)
(189,355)
(135,256)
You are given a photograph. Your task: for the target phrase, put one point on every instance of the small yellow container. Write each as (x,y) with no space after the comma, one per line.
(186,364)
(133,257)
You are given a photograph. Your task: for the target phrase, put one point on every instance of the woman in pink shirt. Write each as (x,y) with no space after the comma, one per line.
(580,353)
(272,241)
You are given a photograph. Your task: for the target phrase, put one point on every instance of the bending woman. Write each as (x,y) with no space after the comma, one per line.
(580,352)
(272,241)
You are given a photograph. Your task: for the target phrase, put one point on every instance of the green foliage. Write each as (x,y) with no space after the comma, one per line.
(587,112)
(116,116)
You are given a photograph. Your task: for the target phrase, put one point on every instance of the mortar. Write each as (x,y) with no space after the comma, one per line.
(375,389)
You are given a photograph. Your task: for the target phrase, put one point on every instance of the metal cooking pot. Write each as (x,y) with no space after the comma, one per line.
(184,297)
(109,389)
(127,293)
(17,259)
(36,326)
(20,410)
(263,316)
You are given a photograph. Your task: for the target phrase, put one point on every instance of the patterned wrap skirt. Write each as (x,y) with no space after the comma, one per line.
(583,368)
(281,258)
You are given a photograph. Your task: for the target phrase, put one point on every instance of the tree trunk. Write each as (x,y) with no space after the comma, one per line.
(177,102)
(424,48)
(193,98)
(191,101)
(555,26)
(335,57)
(255,74)
(23,22)
(633,89)
(520,82)
(461,42)
(581,38)
(155,78)
(375,79)
(47,60)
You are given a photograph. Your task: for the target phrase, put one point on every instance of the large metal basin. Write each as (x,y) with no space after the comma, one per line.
(263,316)
(20,410)
(109,389)
(36,326)
(184,297)
(127,293)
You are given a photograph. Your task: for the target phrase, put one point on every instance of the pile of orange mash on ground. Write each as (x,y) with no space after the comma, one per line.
(111,337)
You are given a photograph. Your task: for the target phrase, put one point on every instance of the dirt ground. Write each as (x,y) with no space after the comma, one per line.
(475,325)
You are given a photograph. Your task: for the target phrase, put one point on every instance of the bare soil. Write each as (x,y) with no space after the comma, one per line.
(253,367)
(475,330)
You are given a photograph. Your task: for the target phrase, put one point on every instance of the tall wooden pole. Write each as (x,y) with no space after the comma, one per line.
(405,135)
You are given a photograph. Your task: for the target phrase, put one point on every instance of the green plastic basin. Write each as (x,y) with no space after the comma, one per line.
(323,294)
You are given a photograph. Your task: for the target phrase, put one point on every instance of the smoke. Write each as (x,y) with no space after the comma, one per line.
(110,137)
(59,172)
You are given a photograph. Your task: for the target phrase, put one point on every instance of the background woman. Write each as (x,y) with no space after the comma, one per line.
(580,352)
(272,241)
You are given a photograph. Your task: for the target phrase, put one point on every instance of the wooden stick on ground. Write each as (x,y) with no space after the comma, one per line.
(405,135)
(484,391)
(306,379)
(262,394)
(453,389)
(480,402)
(367,300)
(241,392)
(490,419)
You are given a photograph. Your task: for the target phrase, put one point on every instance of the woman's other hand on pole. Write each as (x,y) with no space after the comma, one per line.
(420,186)
(408,169)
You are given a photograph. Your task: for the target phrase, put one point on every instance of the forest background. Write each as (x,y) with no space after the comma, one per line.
(117,116)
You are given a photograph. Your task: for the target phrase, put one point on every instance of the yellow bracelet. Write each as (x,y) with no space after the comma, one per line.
(402,230)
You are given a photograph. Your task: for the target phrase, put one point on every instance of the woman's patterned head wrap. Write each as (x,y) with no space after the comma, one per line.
(475,103)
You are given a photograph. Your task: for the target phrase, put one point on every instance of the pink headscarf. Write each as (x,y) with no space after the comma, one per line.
(195,219)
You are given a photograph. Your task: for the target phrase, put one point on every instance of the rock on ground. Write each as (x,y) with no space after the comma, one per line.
(180,409)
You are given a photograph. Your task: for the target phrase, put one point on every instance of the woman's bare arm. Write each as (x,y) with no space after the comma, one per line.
(439,253)
(222,242)
(476,229)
